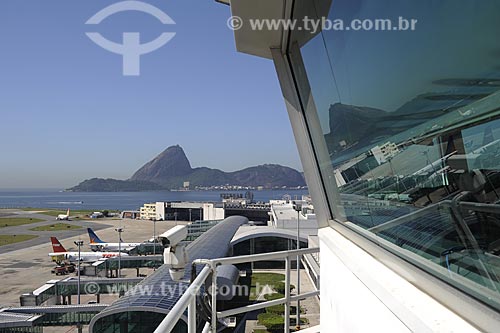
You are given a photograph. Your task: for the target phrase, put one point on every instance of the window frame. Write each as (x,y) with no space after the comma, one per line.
(405,263)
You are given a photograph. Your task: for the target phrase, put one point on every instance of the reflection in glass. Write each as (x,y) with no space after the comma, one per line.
(411,123)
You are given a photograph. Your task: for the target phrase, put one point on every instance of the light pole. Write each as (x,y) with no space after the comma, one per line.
(79,243)
(154,241)
(119,230)
(298,208)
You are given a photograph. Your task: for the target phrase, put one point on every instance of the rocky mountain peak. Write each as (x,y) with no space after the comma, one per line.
(172,162)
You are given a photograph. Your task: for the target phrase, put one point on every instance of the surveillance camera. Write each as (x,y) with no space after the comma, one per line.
(177,274)
(176,257)
(174,236)
(175,254)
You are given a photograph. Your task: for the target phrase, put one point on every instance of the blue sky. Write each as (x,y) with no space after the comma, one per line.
(68,113)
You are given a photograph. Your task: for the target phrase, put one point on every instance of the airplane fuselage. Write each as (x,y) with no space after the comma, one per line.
(84,256)
(113,246)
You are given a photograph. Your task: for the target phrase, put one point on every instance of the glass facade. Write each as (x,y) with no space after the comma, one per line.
(265,244)
(410,120)
(134,322)
(37,329)
(66,319)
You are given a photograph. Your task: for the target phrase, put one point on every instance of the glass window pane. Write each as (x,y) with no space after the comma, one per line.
(411,123)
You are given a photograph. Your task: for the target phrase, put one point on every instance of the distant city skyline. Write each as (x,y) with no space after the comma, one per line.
(69,114)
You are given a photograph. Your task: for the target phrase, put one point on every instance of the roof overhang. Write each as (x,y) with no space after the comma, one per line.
(17,320)
(259,42)
(247,233)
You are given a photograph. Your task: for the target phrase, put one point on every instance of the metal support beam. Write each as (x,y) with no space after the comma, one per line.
(287,295)
(297,324)
(258,306)
(206,328)
(192,316)
(303,116)
(168,324)
(214,299)
(251,307)
(256,257)
(304,296)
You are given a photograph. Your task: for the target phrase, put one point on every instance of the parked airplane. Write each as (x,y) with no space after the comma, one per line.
(61,217)
(60,253)
(96,244)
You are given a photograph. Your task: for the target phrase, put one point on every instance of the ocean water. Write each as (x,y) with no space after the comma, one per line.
(120,200)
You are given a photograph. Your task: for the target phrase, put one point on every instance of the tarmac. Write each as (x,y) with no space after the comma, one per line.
(26,266)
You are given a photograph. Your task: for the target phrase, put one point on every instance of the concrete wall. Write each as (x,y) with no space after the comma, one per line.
(363,295)
(160,211)
(210,212)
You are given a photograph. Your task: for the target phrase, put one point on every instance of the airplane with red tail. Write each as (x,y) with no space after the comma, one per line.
(60,253)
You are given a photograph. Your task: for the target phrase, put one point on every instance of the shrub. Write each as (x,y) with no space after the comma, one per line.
(276,309)
(280,308)
(273,322)
(272,297)
(280,287)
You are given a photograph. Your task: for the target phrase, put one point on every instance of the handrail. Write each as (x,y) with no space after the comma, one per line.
(266,304)
(188,299)
(168,324)
(257,257)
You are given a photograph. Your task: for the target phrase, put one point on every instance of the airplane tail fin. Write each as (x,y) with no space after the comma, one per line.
(67,213)
(94,239)
(56,245)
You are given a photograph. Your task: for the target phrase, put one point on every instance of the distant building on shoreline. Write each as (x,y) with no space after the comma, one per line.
(181,211)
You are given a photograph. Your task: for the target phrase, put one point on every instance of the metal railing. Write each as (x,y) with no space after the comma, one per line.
(188,299)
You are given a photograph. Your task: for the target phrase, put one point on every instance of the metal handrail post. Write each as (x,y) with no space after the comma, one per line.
(188,299)
(297,324)
(256,257)
(169,322)
(192,315)
(287,295)
(214,299)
